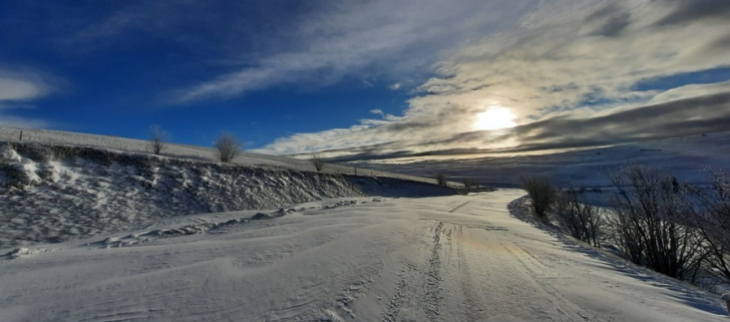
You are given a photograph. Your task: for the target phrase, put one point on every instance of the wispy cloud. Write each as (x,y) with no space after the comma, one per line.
(375,37)
(21,86)
(18,89)
(569,70)
(555,64)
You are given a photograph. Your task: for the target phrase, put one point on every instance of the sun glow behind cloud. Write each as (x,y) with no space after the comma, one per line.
(448,76)
(495,118)
(564,69)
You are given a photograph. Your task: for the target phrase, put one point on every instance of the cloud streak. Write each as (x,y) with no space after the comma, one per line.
(18,86)
(357,38)
(18,89)
(569,70)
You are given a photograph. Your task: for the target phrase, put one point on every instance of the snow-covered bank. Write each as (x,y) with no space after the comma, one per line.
(55,193)
(184,152)
(455,258)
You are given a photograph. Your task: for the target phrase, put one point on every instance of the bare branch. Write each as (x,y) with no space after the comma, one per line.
(158,139)
(228,147)
(317,162)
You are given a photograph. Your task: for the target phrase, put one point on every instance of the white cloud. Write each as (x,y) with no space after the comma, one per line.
(18,89)
(382,37)
(21,86)
(577,57)
(21,122)
(377,111)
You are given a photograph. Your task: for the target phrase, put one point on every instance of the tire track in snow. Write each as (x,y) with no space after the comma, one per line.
(466,281)
(433,278)
(459,206)
(537,269)
(400,296)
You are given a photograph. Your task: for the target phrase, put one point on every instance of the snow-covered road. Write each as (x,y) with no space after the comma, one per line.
(458,258)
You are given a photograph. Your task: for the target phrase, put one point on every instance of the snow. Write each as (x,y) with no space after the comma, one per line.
(180,237)
(94,191)
(452,258)
(179,151)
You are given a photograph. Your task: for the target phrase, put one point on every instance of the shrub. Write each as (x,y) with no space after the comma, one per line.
(470,183)
(441,179)
(228,147)
(711,216)
(42,153)
(317,162)
(158,139)
(651,223)
(541,193)
(582,220)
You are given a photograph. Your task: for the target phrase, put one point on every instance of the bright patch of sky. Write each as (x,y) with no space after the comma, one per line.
(377,78)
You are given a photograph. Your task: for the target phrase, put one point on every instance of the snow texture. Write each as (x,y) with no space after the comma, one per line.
(55,193)
(185,152)
(139,237)
(454,258)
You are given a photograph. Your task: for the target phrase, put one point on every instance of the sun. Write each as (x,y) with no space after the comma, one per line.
(495,118)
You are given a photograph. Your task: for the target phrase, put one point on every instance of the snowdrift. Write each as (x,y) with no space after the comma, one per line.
(51,193)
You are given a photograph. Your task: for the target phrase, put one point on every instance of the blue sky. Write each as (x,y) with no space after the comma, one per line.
(369,78)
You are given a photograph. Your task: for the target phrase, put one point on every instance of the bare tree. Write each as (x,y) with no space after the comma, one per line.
(441,179)
(228,146)
(711,216)
(541,192)
(581,219)
(317,162)
(470,183)
(158,139)
(651,222)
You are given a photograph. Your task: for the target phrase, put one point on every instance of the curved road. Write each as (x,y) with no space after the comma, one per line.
(459,258)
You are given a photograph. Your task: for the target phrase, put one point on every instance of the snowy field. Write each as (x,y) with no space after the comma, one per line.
(186,152)
(455,258)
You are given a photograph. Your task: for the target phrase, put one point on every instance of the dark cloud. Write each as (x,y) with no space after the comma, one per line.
(691,10)
(405,126)
(710,113)
(723,43)
(577,73)
(613,20)
(703,114)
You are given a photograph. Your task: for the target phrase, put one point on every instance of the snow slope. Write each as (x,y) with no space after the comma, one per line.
(55,193)
(456,258)
(186,152)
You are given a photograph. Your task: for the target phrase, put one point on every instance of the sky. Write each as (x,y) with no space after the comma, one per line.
(374,79)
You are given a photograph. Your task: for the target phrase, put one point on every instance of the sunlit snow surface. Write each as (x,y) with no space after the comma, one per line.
(85,189)
(187,152)
(458,258)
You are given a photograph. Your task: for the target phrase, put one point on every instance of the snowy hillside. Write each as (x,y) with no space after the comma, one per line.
(178,151)
(456,258)
(51,193)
